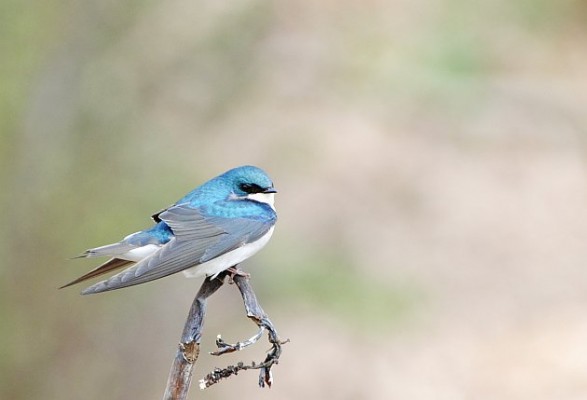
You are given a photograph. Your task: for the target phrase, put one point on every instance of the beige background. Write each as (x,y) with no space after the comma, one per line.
(431,163)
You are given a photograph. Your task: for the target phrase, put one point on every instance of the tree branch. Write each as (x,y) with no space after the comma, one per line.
(256,313)
(180,375)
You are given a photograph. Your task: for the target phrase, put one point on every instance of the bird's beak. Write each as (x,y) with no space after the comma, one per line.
(270,190)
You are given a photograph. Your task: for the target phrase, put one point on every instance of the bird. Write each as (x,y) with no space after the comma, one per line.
(211,229)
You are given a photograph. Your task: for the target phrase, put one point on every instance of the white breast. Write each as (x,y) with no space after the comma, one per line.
(219,264)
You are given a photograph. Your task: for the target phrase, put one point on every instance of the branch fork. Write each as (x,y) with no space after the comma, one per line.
(188,350)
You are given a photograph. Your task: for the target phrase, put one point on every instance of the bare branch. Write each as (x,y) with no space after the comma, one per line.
(256,313)
(180,376)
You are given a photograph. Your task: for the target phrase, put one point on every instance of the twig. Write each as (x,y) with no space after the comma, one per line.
(180,375)
(256,313)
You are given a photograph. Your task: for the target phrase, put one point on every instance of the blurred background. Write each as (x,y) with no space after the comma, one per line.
(430,158)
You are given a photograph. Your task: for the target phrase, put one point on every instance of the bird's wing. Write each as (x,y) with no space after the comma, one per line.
(155,217)
(198,238)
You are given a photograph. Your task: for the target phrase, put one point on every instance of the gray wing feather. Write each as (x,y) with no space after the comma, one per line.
(197,239)
(242,231)
(189,224)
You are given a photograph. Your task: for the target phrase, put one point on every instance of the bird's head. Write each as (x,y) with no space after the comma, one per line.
(251,183)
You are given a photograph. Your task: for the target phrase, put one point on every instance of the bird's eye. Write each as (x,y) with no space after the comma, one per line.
(250,188)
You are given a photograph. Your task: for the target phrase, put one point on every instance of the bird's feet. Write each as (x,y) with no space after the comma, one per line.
(234,271)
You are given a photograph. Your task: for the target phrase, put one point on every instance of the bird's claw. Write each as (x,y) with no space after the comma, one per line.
(235,271)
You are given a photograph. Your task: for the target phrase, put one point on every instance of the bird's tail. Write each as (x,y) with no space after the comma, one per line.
(112,250)
(110,265)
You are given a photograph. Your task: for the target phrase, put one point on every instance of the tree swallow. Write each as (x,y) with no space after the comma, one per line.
(213,228)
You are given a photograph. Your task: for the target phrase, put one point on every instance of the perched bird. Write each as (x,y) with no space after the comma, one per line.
(211,229)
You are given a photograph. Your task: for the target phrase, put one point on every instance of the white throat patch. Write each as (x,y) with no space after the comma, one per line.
(267,198)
